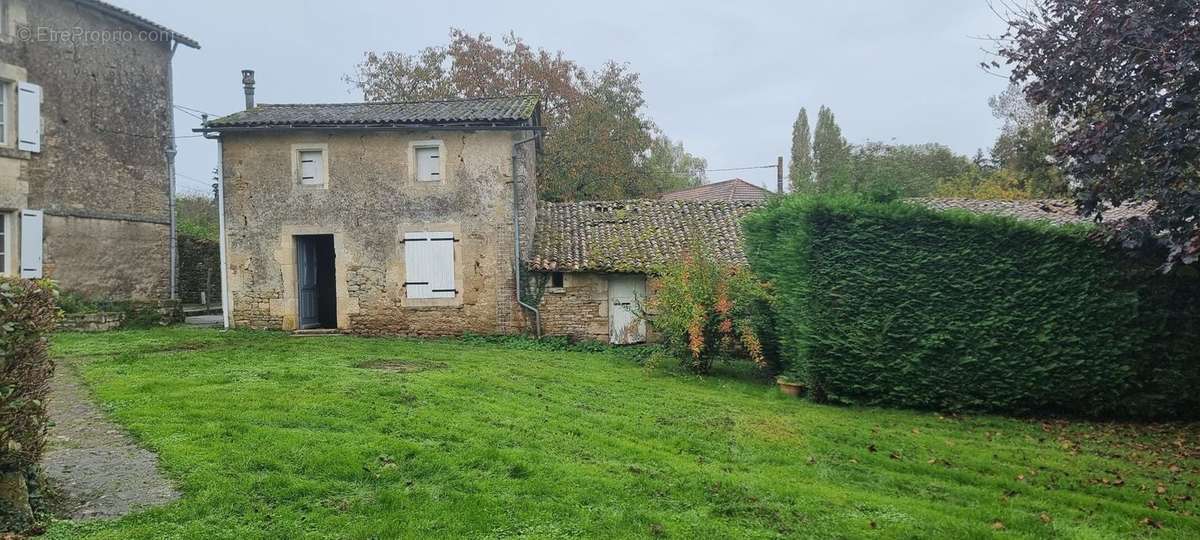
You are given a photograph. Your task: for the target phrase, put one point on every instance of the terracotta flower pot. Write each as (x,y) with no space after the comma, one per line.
(790,388)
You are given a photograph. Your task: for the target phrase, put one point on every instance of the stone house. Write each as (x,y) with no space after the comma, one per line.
(377,218)
(86,147)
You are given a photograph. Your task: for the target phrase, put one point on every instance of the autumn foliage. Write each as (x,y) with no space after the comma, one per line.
(707,311)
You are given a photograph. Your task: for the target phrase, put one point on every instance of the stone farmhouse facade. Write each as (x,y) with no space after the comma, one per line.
(86,147)
(378,218)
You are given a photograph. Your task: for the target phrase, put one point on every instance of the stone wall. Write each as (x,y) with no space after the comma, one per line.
(102,170)
(91,322)
(579,309)
(158,312)
(370,201)
(199,269)
(107,259)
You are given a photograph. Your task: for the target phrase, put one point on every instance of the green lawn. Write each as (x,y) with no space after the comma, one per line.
(271,436)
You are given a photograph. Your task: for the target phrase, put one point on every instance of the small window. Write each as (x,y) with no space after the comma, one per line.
(3,111)
(312,169)
(429,164)
(556,280)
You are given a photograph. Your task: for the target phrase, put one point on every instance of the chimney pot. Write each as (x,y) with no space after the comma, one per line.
(248,85)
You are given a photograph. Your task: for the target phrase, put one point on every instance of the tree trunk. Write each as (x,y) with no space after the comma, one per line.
(15,513)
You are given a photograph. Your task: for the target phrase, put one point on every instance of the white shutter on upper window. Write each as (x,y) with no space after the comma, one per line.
(29,117)
(428,163)
(416,265)
(441,264)
(311,167)
(31,243)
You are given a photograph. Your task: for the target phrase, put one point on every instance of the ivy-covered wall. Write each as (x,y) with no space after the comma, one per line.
(893,304)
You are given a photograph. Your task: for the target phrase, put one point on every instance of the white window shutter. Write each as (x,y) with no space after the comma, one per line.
(441,247)
(311,168)
(31,243)
(416,265)
(29,117)
(428,163)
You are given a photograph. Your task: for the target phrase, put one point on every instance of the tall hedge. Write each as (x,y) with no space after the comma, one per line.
(896,304)
(27,315)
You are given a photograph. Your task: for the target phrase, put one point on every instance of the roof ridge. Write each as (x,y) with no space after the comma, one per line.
(412,102)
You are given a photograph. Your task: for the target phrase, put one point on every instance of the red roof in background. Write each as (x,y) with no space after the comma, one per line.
(734,189)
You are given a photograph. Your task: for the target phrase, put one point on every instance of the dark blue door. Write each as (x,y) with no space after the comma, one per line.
(306,278)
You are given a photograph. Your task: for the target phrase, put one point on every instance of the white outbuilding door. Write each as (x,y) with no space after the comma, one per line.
(625,294)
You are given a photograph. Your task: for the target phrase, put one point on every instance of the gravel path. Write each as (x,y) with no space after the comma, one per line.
(92,462)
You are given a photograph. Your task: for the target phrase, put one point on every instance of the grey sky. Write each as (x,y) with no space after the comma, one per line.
(726,78)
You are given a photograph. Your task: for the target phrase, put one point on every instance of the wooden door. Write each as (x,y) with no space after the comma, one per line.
(626,293)
(306,282)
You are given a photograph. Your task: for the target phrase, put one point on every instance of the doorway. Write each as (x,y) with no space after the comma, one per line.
(626,292)
(315,281)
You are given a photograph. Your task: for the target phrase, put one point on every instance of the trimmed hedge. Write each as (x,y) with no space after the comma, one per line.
(28,313)
(895,304)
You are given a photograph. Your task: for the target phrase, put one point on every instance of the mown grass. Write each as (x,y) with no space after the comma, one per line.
(270,436)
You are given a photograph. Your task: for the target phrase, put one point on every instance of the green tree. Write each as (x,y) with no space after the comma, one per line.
(1026,144)
(831,154)
(800,170)
(902,170)
(671,167)
(196,216)
(598,145)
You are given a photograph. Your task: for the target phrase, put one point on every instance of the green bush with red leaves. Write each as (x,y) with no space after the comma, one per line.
(706,311)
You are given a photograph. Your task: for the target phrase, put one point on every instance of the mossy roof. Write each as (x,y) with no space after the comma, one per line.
(635,236)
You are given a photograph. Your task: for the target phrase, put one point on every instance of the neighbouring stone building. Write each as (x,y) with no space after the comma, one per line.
(85,143)
(378,218)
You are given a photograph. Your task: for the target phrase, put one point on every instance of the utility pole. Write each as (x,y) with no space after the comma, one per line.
(779,175)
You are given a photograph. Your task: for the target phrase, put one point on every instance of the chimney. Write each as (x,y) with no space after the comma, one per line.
(248,84)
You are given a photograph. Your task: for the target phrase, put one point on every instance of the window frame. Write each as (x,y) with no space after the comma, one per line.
(5,243)
(297,177)
(6,110)
(414,166)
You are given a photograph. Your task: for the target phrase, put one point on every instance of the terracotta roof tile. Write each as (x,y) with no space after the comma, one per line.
(635,235)
(734,189)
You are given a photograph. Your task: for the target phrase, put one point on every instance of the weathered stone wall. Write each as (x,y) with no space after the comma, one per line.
(105,128)
(91,322)
(579,309)
(370,201)
(107,259)
(199,269)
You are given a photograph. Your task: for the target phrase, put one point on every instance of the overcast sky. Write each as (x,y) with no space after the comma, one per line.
(726,78)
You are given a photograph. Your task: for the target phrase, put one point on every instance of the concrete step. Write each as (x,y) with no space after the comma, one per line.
(309,332)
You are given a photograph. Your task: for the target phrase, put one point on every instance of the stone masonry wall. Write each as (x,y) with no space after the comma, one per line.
(579,309)
(368,204)
(102,169)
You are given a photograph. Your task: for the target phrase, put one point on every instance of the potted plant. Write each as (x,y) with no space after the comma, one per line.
(790,384)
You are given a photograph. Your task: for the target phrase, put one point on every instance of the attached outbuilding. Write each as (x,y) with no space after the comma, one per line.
(599,260)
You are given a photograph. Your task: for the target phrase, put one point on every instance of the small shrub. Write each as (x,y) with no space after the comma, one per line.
(28,313)
(705,310)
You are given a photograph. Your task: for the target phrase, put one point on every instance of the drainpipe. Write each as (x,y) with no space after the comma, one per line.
(537,315)
(171,151)
(226,305)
